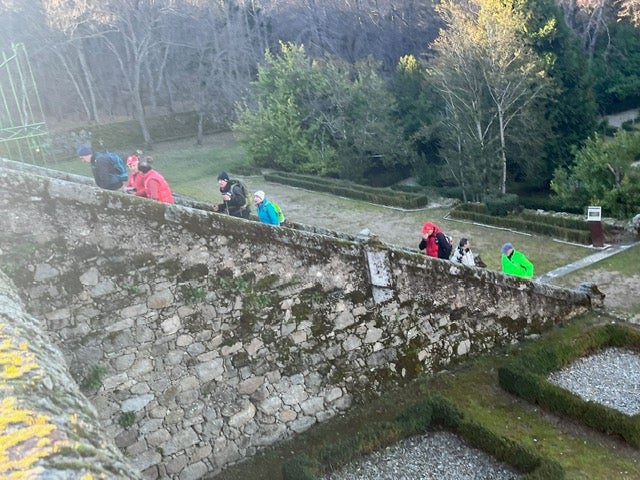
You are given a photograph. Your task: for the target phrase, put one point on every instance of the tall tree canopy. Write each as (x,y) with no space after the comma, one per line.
(322,116)
(491,82)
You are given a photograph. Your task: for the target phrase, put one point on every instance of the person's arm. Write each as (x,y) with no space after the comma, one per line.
(422,245)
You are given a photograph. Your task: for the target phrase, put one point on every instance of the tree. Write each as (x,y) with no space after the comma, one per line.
(322,116)
(491,81)
(605,173)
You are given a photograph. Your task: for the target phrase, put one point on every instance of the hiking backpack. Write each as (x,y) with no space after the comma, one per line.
(278,211)
(447,248)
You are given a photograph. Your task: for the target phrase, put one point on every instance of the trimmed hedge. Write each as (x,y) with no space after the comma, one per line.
(569,229)
(435,412)
(382,196)
(527,377)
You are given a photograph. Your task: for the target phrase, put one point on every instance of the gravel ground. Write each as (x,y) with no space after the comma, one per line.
(609,377)
(435,456)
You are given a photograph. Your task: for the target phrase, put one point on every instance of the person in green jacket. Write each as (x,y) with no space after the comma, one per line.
(515,263)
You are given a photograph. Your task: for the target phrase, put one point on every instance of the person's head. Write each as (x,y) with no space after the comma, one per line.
(507,248)
(427,229)
(223,180)
(85,153)
(132,163)
(258,197)
(144,164)
(464,243)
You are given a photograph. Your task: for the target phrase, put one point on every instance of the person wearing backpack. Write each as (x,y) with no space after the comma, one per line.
(108,168)
(434,242)
(234,197)
(267,212)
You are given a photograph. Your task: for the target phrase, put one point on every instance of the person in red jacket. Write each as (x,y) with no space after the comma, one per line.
(135,184)
(434,242)
(155,186)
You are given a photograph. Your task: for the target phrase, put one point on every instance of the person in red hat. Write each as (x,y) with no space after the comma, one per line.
(135,184)
(434,242)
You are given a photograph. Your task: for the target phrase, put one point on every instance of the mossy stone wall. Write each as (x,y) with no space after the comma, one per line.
(201,338)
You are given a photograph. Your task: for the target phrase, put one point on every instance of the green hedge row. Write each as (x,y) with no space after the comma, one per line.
(561,221)
(527,378)
(433,413)
(545,225)
(382,196)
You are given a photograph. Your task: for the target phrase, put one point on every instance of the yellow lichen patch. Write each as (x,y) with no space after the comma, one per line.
(15,362)
(25,437)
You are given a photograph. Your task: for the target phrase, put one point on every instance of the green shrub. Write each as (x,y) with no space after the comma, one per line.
(382,196)
(93,380)
(526,376)
(127,419)
(500,205)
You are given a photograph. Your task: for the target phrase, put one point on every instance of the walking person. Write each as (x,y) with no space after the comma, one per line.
(108,168)
(434,242)
(234,199)
(515,262)
(135,184)
(266,211)
(155,186)
(463,254)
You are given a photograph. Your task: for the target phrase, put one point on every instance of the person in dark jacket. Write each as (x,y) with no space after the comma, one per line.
(434,242)
(108,169)
(234,199)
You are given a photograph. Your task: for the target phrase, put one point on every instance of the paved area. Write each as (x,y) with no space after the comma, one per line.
(603,253)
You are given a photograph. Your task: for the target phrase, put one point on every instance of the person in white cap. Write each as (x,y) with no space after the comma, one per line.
(266,211)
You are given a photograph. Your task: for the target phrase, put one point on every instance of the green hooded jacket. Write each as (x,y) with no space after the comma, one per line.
(517,265)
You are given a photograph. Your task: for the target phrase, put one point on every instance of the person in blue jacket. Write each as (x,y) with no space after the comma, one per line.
(266,212)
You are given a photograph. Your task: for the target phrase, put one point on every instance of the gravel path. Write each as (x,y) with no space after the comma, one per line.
(435,456)
(609,377)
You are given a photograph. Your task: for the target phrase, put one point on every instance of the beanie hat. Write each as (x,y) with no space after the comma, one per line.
(259,194)
(223,176)
(427,226)
(506,247)
(84,150)
(144,165)
(131,159)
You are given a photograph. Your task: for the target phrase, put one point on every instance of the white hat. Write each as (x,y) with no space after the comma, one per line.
(259,194)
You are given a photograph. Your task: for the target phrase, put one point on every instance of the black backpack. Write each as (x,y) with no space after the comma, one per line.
(445,247)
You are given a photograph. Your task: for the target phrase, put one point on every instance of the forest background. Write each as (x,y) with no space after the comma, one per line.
(484,97)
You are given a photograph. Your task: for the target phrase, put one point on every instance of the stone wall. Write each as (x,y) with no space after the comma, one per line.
(218,336)
(48,428)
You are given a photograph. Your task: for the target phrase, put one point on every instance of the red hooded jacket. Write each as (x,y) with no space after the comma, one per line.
(156,187)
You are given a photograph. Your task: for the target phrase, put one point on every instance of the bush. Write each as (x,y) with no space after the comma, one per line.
(500,205)
(382,196)
(526,377)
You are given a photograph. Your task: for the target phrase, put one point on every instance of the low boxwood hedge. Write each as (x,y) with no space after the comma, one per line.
(381,196)
(435,412)
(527,376)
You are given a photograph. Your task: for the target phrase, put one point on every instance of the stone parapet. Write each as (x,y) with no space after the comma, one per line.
(218,336)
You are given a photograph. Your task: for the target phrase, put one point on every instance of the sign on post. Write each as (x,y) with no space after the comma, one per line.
(594,216)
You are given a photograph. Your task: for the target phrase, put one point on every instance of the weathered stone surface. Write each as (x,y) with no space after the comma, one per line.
(221,366)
